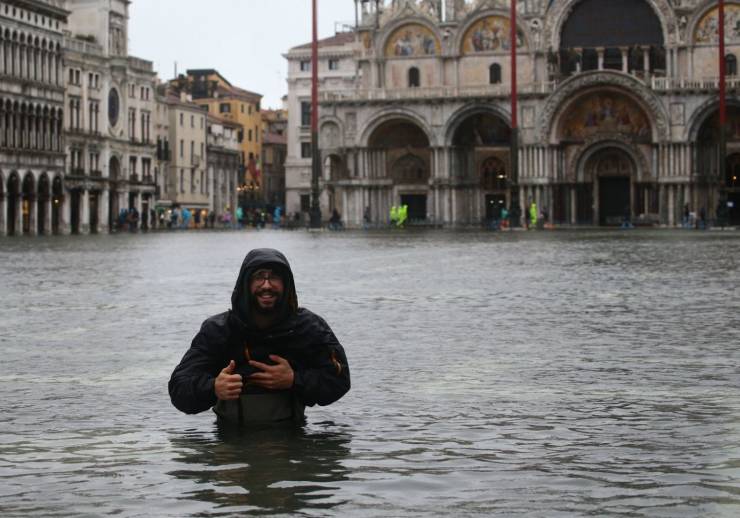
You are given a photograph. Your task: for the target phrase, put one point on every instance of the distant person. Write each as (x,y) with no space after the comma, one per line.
(627,218)
(533,215)
(403,214)
(504,219)
(366,218)
(186,216)
(686,216)
(265,359)
(277,217)
(133,219)
(335,221)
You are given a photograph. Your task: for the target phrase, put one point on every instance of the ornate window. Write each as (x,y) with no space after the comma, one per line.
(730,65)
(414,79)
(114,106)
(494,74)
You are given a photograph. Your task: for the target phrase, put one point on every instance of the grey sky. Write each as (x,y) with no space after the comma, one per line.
(242,39)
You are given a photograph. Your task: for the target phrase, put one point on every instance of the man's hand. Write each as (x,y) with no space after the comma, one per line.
(273,377)
(228,385)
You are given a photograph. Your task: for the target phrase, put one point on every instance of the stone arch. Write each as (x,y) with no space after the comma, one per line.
(391,114)
(701,14)
(409,169)
(334,167)
(625,84)
(701,114)
(12,203)
(393,29)
(559,12)
(460,41)
(464,113)
(591,148)
(43,195)
(28,199)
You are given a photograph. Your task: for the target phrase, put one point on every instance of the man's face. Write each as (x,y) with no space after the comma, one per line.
(266,287)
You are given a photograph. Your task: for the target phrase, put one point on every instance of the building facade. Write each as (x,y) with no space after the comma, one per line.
(210,89)
(337,72)
(224,164)
(31,117)
(617,114)
(111,101)
(274,154)
(186,180)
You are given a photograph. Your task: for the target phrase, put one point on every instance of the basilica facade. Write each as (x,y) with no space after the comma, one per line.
(618,113)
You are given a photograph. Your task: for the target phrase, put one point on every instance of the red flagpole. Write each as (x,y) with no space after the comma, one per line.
(513,66)
(315,158)
(514,203)
(722,91)
(722,99)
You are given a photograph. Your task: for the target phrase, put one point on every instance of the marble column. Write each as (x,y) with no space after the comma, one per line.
(625,59)
(646,60)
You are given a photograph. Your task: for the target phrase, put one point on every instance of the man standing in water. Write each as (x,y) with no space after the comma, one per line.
(264,360)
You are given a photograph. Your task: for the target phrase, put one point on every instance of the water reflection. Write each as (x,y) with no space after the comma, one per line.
(261,470)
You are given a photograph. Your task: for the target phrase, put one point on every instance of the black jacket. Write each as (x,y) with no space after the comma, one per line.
(301,337)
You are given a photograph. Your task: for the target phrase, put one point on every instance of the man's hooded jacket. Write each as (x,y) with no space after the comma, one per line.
(321,373)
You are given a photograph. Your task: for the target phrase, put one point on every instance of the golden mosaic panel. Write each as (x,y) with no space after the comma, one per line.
(491,34)
(412,40)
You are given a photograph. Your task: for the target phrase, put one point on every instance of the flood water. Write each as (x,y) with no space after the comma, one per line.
(592,373)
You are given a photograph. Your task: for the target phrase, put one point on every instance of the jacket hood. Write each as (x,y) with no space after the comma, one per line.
(256,259)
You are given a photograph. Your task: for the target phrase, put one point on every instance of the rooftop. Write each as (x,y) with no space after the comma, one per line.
(339,39)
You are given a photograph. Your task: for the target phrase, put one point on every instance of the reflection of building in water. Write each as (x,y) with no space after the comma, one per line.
(617,114)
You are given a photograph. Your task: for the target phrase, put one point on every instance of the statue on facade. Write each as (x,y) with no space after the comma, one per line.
(430,7)
(458,9)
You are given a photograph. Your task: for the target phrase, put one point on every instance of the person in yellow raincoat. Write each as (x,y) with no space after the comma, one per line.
(403,214)
(394,215)
(533,215)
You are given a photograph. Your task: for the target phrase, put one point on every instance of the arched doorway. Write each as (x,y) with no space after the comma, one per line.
(94,210)
(481,146)
(612,171)
(44,196)
(114,173)
(407,161)
(75,198)
(13,204)
(29,196)
(57,202)
(718,192)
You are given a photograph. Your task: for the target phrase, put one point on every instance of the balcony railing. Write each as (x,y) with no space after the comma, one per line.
(386,94)
(683,83)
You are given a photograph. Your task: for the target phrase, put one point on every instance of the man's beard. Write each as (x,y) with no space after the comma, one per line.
(258,308)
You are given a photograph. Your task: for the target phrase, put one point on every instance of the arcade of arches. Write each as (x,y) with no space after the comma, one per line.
(603,166)
(29,206)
